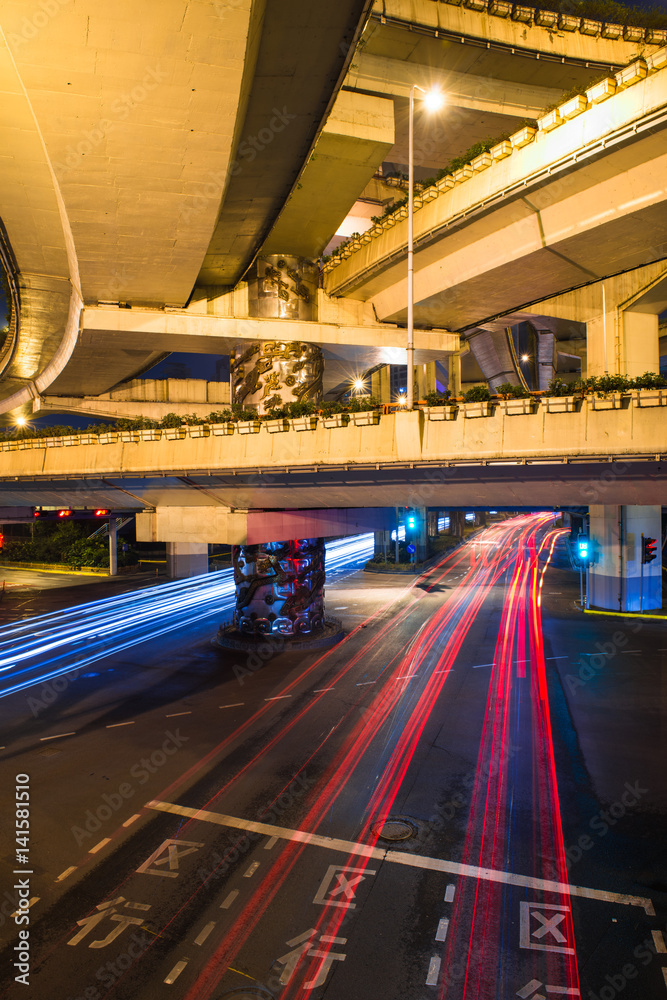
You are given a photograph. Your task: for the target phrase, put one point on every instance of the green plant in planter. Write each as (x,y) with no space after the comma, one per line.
(356,405)
(649,380)
(509,391)
(331,406)
(477,394)
(170,420)
(438,398)
(241,413)
(301,408)
(558,387)
(219,417)
(602,384)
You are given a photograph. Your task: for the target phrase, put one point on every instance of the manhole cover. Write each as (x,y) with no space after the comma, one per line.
(395,829)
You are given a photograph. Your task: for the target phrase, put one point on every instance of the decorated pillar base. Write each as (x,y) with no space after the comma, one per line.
(280,597)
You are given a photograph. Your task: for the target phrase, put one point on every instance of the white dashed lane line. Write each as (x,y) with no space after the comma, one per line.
(443,927)
(251,870)
(56,737)
(201,937)
(433,971)
(173,715)
(176,971)
(278,697)
(98,847)
(659,942)
(321,690)
(117,725)
(449,894)
(131,820)
(63,875)
(237,704)
(228,900)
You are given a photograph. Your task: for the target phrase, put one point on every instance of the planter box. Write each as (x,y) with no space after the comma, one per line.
(88,438)
(612,31)
(57,442)
(518,406)
(71,439)
(10,445)
(151,434)
(560,404)
(365,417)
(500,8)
(463,174)
(633,73)
(658,60)
(575,106)
(549,121)
(481,162)
(482,409)
(631,34)
(590,27)
(199,430)
(223,429)
(248,426)
(336,420)
(175,433)
(110,438)
(126,436)
(501,150)
(307,423)
(612,401)
(475,4)
(601,91)
(656,36)
(567,22)
(523,14)
(276,426)
(546,18)
(429,193)
(445,183)
(523,137)
(446,412)
(649,397)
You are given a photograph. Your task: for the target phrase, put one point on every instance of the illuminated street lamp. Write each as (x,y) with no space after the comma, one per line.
(433,100)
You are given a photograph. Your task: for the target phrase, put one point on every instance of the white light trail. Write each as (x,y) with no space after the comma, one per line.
(37,650)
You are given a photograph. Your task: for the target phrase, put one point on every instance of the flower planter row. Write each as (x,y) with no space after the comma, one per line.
(551,404)
(307,423)
(626,77)
(553,20)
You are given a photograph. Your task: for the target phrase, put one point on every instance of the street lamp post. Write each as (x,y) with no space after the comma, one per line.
(433,100)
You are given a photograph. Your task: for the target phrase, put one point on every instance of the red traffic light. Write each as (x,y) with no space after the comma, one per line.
(65,513)
(36,513)
(649,548)
(102,513)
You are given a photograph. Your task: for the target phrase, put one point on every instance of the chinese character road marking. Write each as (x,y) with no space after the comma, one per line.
(301,946)
(344,886)
(109,909)
(530,935)
(170,852)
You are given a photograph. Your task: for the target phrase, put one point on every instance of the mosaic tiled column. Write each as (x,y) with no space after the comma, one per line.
(268,374)
(280,587)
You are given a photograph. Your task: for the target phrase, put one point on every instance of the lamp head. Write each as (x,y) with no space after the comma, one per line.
(434,99)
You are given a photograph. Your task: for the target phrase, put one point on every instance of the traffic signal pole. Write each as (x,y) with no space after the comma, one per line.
(113,551)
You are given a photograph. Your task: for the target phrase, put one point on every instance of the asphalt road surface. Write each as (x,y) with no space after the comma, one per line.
(464,799)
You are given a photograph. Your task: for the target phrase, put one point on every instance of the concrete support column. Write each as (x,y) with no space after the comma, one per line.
(422,539)
(425,379)
(381,384)
(615,575)
(185,559)
(454,369)
(113,547)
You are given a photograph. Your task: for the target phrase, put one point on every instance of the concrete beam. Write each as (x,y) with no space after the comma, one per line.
(354,142)
(152,398)
(234,527)
(395,77)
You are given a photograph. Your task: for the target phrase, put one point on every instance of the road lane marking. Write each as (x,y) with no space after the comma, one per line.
(173,715)
(277,697)
(402,857)
(433,971)
(237,704)
(443,927)
(664,975)
(320,690)
(131,820)
(115,725)
(31,902)
(449,894)
(659,942)
(56,737)
(176,971)
(270,843)
(68,871)
(406,677)
(251,870)
(98,847)
(364,683)
(476,666)
(205,932)
(228,900)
